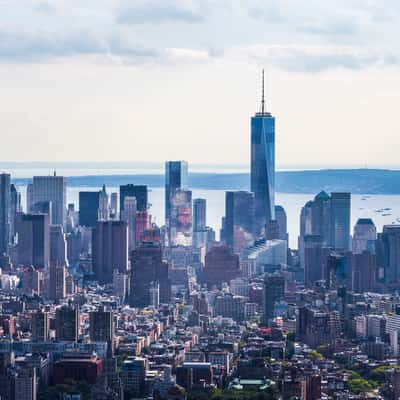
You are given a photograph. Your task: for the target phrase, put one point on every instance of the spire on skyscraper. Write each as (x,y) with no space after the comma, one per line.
(262,98)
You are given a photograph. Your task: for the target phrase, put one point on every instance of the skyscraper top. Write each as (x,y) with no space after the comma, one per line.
(263,112)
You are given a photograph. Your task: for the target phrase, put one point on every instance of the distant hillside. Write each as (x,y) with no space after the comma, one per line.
(362,181)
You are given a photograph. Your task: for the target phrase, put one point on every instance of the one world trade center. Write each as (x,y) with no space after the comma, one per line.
(263,166)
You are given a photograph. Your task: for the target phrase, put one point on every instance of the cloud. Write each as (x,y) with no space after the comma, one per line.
(116,48)
(44,45)
(313,59)
(158,11)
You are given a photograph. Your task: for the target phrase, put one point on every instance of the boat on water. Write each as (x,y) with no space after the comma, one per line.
(385,215)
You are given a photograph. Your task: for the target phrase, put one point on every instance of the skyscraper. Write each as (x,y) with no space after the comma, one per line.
(30,201)
(388,253)
(110,249)
(239,219)
(180,219)
(58,245)
(148,269)
(101,327)
(199,214)
(263,165)
(104,209)
(364,236)
(314,259)
(199,223)
(176,177)
(88,208)
(54,189)
(340,220)
(57,284)
(137,191)
(15,209)
(40,326)
(33,240)
(274,291)
(114,205)
(129,216)
(281,218)
(67,323)
(5,192)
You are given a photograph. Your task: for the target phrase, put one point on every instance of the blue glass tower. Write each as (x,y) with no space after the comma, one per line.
(263,165)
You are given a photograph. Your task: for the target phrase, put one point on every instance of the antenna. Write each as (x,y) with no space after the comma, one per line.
(262,98)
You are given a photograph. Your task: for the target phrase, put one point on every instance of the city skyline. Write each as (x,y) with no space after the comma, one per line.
(104,75)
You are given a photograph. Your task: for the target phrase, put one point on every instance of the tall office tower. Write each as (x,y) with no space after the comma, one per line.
(67,323)
(199,214)
(274,291)
(364,236)
(110,249)
(147,267)
(101,328)
(176,178)
(129,216)
(137,191)
(313,259)
(30,201)
(72,218)
(340,212)
(180,219)
(89,208)
(321,217)
(15,209)
(364,272)
(57,282)
(33,247)
(221,265)
(281,219)
(114,205)
(5,211)
(239,220)
(104,207)
(388,254)
(40,326)
(54,189)
(58,245)
(199,223)
(263,165)
(305,229)
(338,270)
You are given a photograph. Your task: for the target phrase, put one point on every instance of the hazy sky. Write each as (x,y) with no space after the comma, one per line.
(149,80)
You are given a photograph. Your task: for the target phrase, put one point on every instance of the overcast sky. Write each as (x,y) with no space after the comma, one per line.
(150,80)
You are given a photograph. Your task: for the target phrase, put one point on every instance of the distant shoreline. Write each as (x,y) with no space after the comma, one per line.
(357,181)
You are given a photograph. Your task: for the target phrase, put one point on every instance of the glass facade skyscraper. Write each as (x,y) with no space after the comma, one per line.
(5,193)
(263,166)
(176,177)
